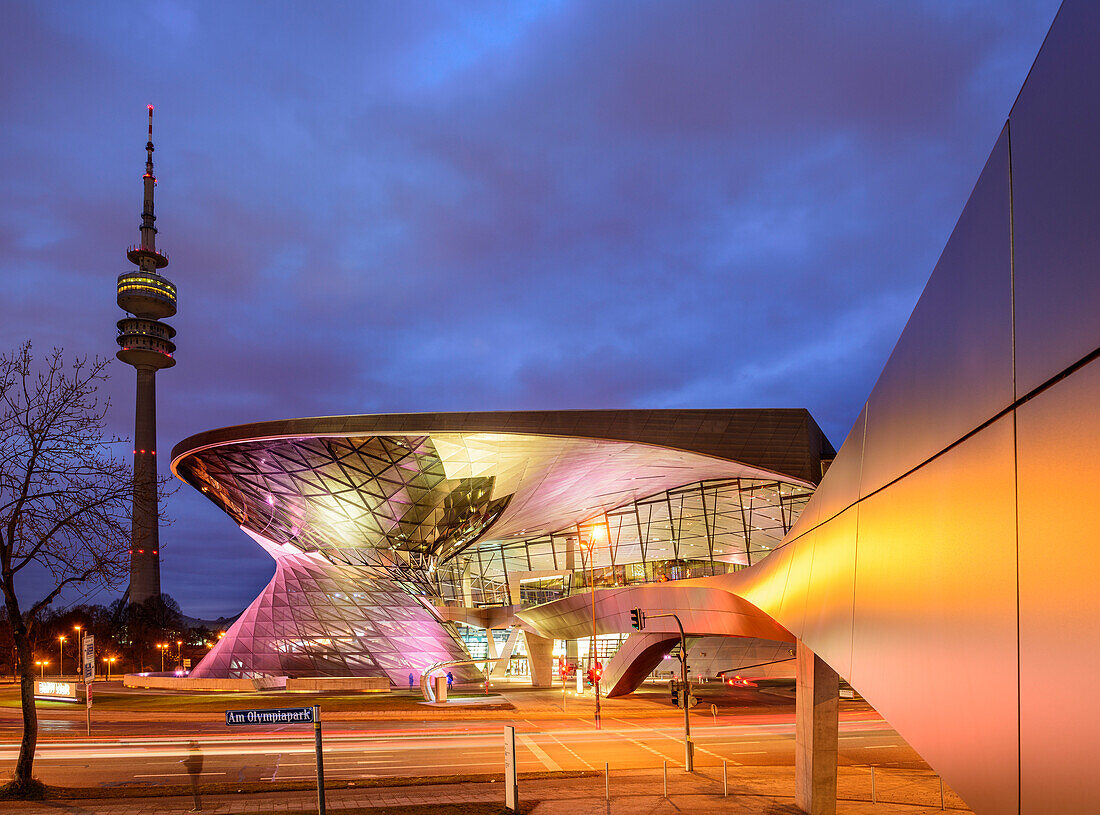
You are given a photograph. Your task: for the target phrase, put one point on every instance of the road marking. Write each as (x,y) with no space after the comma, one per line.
(571,751)
(538,752)
(874,746)
(164,775)
(698,748)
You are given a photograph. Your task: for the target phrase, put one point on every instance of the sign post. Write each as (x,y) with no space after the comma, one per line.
(320,760)
(511,785)
(88,652)
(288,715)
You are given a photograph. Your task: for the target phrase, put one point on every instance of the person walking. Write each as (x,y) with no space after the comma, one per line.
(193,765)
(450,680)
(410,681)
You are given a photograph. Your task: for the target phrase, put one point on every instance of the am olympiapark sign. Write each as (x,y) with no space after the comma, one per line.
(279,715)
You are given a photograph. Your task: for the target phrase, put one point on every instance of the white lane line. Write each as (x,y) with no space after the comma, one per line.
(571,751)
(698,747)
(161,775)
(538,752)
(874,746)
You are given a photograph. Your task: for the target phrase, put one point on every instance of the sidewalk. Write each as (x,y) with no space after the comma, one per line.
(766,790)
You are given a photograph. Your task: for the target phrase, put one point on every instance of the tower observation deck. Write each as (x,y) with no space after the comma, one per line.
(146,343)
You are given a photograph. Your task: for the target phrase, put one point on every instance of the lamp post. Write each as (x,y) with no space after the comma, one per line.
(179,653)
(160,647)
(110,661)
(589,545)
(42,671)
(61,655)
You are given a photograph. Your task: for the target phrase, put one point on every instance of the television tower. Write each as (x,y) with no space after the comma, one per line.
(146,343)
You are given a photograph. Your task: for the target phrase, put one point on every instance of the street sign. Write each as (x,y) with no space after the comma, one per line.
(57,691)
(277,715)
(89,658)
(186,663)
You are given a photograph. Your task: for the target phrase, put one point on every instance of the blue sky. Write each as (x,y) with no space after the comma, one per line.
(375,207)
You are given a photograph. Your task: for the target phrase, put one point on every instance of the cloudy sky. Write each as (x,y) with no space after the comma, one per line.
(378,206)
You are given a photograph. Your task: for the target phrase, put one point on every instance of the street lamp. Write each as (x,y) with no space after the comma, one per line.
(42,663)
(160,647)
(110,661)
(80,651)
(61,655)
(589,545)
(179,653)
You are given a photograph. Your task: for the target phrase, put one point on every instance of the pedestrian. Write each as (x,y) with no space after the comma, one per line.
(410,681)
(450,680)
(193,764)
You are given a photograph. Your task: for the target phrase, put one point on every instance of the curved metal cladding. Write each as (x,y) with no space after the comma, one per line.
(361,512)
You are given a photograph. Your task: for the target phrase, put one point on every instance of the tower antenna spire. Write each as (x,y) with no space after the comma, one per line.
(148,230)
(149,145)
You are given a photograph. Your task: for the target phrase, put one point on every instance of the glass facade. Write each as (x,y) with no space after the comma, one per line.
(707,528)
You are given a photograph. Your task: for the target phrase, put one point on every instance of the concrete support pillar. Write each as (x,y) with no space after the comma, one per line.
(500,668)
(817,701)
(540,658)
(490,643)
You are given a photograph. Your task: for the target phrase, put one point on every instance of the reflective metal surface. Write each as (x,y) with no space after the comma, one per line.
(829,599)
(839,488)
(1059,468)
(952,367)
(934,638)
(1055,177)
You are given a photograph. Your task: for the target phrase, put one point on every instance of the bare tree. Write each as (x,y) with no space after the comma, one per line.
(64,503)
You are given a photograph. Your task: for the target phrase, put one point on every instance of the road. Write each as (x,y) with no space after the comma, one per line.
(368,750)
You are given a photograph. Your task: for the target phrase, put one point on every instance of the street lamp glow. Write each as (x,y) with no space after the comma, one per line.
(61,655)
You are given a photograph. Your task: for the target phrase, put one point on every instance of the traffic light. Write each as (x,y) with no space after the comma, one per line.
(637,619)
(597,672)
(674,689)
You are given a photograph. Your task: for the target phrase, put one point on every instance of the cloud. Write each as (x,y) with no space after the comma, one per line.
(418,206)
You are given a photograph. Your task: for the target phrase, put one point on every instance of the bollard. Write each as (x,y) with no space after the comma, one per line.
(664,770)
(942,807)
(714,713)
(874,799)
(725,781)
(606,783)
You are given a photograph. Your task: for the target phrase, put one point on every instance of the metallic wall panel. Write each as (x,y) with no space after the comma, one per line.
(781,440)
(839,489)
(934,640)
(1059,467)
(952,367)
(830,592)
(702,605)
(792,609)
(1055,127)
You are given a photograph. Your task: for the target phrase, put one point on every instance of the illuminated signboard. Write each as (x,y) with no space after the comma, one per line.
(56,691)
